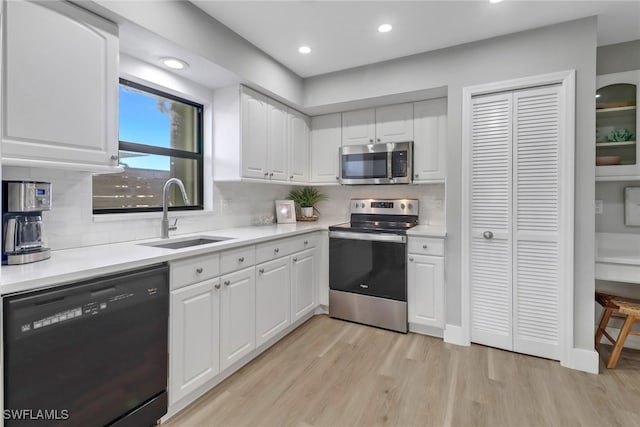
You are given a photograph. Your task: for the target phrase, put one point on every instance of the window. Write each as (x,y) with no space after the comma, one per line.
(160,138)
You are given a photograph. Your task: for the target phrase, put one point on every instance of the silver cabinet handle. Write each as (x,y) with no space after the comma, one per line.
(227,282)
(424,246)
(370,139)
(306,242)
(266,174)
(411,259)
(271,174)
(217,286)
(199,270)
(417,176)
(378,139)
(290,176)
(261,271)
(276,250)
(337,178)
(114,158)
(487,235)
(241,259)
(295,260)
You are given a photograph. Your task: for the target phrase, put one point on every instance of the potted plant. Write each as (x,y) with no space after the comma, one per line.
(306,198)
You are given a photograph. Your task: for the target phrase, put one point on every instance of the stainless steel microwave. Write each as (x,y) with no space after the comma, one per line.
(390,163)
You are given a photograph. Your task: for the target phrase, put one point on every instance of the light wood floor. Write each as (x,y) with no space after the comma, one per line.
(334,373)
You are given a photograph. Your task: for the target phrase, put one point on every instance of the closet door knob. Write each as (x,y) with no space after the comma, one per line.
(487,235)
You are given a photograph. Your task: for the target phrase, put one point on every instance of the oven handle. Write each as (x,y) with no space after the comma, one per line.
(392,238)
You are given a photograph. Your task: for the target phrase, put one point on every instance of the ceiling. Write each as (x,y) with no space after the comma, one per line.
(343,34)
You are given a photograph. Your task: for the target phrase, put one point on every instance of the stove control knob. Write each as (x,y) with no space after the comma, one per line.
(410,206)
(402,206)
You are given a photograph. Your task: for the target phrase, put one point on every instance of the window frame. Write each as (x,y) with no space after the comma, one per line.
(197,155)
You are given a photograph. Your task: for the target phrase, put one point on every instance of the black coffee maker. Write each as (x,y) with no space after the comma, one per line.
(22,232)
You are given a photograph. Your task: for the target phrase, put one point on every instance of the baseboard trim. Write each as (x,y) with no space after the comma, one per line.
(425,330)
(322,309)
(455,334)
(583,360)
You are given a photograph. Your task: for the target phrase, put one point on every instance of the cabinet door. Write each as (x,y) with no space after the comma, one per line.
(298,147)
(490,271)
(359,127)
(326,139)
(59,86)
(425,291)
(277,140)
(430,139)
(254,135)
(193,353)
(273,296)
(303,283)
(394,123)
(237,316)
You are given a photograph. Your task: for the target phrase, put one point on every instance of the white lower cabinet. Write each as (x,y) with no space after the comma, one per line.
(426,290)
(273,293)
(425,283)
(237,316)
(303,287)
(195,329)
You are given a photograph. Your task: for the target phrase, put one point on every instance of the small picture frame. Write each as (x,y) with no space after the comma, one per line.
(285,211)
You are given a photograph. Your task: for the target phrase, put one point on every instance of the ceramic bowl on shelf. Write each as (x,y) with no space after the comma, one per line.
(607,160)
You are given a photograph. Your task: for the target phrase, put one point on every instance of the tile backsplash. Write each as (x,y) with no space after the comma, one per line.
(71,223)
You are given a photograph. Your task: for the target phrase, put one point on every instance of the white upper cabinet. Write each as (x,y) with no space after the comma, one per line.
(430,140)
(617,117)
(255,111)
(257,137)
(326,139)
(277,140)
(59,87)
(359,127)
(394,123)
(298,147)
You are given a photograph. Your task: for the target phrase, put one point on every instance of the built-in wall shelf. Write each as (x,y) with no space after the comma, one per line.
(615,109)
(618,178)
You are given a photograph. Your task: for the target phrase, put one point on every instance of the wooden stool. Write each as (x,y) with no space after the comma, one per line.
(617,307)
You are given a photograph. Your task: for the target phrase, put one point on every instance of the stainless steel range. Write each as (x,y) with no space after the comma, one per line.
(368,263)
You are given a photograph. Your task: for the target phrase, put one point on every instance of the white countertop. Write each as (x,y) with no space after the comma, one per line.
(428,231)
(76,264)
(70,265)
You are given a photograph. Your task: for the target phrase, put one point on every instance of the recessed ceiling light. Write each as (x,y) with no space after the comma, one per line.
(495,1)
(304,49)
(385,28)
(174,63)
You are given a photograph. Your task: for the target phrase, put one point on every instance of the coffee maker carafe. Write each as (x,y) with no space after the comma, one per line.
(22,206)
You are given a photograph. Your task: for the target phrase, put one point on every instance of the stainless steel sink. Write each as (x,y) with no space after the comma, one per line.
(185,243)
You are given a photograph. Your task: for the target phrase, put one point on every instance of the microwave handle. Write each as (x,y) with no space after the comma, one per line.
(390,164)
(10,235)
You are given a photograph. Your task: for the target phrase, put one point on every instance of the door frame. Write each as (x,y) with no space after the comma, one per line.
(566,80)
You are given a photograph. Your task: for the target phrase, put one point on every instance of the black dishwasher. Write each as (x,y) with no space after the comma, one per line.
(92,353)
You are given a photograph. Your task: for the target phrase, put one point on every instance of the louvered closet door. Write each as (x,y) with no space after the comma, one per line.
(490,252)
(536,243)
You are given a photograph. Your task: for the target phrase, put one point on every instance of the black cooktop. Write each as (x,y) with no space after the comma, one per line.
(396,224)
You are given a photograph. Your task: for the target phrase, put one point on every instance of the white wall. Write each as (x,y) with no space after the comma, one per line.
(186,25)
(560,47)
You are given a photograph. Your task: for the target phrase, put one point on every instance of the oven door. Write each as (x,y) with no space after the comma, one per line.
(371,264)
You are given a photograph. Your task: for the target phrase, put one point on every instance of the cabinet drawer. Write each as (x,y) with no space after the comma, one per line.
(301,243)
(237,259)
(193,270)
(426,246)
(272,250)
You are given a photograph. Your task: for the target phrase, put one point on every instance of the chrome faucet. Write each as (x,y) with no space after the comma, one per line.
(165,196)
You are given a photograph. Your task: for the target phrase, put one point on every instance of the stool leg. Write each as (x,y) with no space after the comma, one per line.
(604,321)
(617,349)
